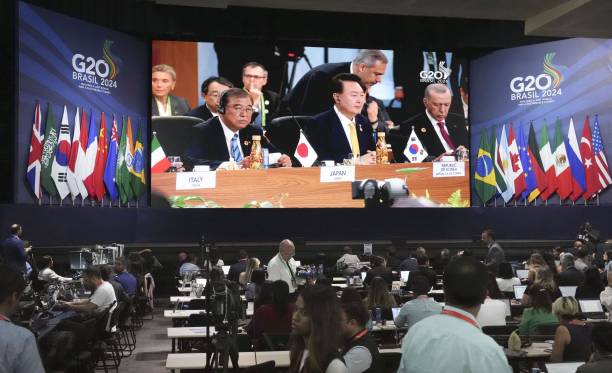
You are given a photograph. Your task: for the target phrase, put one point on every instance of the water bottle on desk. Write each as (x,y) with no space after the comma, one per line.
(378,315)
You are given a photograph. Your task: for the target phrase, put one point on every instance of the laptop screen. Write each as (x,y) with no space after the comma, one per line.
(519,290)
(507,302)
(200,281)
(404,275)
(522,273)
(562,367)
(590,305)
(396,311)
(568,291)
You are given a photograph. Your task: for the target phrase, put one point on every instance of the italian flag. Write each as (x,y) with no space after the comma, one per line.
(159,161)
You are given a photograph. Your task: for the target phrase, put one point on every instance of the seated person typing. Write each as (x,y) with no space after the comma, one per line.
(47,274)
(102,293)
(228,137)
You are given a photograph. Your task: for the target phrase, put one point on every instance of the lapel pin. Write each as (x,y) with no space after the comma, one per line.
(423,130)
(246,142)
(267,102)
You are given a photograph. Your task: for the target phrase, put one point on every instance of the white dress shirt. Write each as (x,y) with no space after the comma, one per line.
(161,109)
(49,275)
(344,121)
(434,123)
(228,140)
(278,269)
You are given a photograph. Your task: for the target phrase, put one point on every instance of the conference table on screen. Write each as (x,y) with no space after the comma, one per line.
(302,186)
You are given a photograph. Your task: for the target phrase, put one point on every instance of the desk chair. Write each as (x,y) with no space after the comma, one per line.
(545,329)
(389,361)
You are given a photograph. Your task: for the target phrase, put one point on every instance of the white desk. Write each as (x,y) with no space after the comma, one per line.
(184,289)
(183,314)
(187,298)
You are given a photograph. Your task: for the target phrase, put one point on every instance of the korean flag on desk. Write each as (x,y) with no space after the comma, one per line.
(415,152)
(304,152)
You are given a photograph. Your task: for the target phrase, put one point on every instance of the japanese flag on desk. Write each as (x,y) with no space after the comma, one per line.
(414,151)
(304,152)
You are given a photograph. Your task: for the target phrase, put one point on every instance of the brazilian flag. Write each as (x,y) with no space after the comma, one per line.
(484,175)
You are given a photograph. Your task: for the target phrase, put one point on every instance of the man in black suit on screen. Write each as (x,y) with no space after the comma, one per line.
(212,89)
(342,130)
(312,93)
(227,137)
(440,132)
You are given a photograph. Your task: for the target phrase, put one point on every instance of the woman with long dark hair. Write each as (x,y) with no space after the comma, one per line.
(274,318)
(378,295)
(316,337)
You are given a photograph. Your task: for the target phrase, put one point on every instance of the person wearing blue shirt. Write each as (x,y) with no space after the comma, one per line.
(18,350)
(13,249)
(420,307)
(126,279)
(453,340)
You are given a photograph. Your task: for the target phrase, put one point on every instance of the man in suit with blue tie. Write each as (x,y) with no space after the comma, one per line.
(13,249)
(342,130)
(227,137)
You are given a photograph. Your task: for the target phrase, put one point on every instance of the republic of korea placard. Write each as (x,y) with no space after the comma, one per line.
(196,180)
(448,169)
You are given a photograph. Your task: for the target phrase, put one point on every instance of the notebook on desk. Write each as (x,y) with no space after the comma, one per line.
(568,291)
(592,308)
(519,290)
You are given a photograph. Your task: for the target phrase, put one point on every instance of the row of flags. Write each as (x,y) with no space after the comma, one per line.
(87,164)
(518,168)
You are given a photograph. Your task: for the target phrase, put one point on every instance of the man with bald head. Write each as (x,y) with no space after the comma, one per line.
(440,132)
(282,266)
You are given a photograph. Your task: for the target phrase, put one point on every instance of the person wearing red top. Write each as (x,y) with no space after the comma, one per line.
(273,318)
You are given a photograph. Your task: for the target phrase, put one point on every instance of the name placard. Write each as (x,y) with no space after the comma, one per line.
(448,169)
(337,174)
(196,180)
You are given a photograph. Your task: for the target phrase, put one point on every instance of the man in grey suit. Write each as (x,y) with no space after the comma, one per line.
(495,256)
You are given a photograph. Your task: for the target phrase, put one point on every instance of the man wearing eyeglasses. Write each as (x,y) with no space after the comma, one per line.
(265,102)
(228,137)
(212,89)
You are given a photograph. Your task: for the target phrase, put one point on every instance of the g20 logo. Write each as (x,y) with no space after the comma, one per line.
(530,83)
(90,65)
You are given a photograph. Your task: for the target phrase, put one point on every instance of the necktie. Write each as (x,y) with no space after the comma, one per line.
(235,148)
(354,139)
(445,135)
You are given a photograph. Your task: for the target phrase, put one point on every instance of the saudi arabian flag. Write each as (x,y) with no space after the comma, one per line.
(484,175)
(48,154)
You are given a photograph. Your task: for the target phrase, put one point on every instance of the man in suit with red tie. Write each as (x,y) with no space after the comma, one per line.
(441,133)
(342,130)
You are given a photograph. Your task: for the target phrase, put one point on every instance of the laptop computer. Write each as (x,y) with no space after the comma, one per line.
(592,308)
(519,290)
(568,291)
(404,276)
(563,367)
(507,303)
(522,273)
(395,311)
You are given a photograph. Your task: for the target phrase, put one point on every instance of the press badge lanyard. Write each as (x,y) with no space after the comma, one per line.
(4,318)
(460,316)
(291,272)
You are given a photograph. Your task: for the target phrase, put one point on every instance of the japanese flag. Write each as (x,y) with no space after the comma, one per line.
(414,151)
(304,152)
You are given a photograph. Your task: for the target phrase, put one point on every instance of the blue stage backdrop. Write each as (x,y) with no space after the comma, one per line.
(65,61)
(543,84)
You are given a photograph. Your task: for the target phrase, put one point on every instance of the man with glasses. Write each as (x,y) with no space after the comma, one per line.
(265,102)
(228,137)
(212,89)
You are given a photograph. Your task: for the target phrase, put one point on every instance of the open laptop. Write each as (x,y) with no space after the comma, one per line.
(519,290)
(396,311)
(507,303)
(523,274)
(568,291)
(563,367)
(404,276)
(592,308)
(225,270)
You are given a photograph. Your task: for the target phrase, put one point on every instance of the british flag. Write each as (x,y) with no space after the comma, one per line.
(602,169)
(34,166)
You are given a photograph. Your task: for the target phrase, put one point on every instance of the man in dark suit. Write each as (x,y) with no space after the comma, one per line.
(163,80)
(379,269)
(227,137)
(13,249)
(495,255)
(265,102)
(237,268)
(569,275)
(440,132)
(311,94)
(342,130)
(212,89)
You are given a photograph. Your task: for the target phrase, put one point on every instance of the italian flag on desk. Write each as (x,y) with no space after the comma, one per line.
(159,161)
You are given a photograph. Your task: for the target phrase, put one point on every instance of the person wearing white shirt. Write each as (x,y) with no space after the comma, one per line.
(283,267)
(606,296)
(505,278)
(49,275)
(349,262)
(102,293)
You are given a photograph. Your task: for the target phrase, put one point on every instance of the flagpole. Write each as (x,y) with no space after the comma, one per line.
(597,199)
